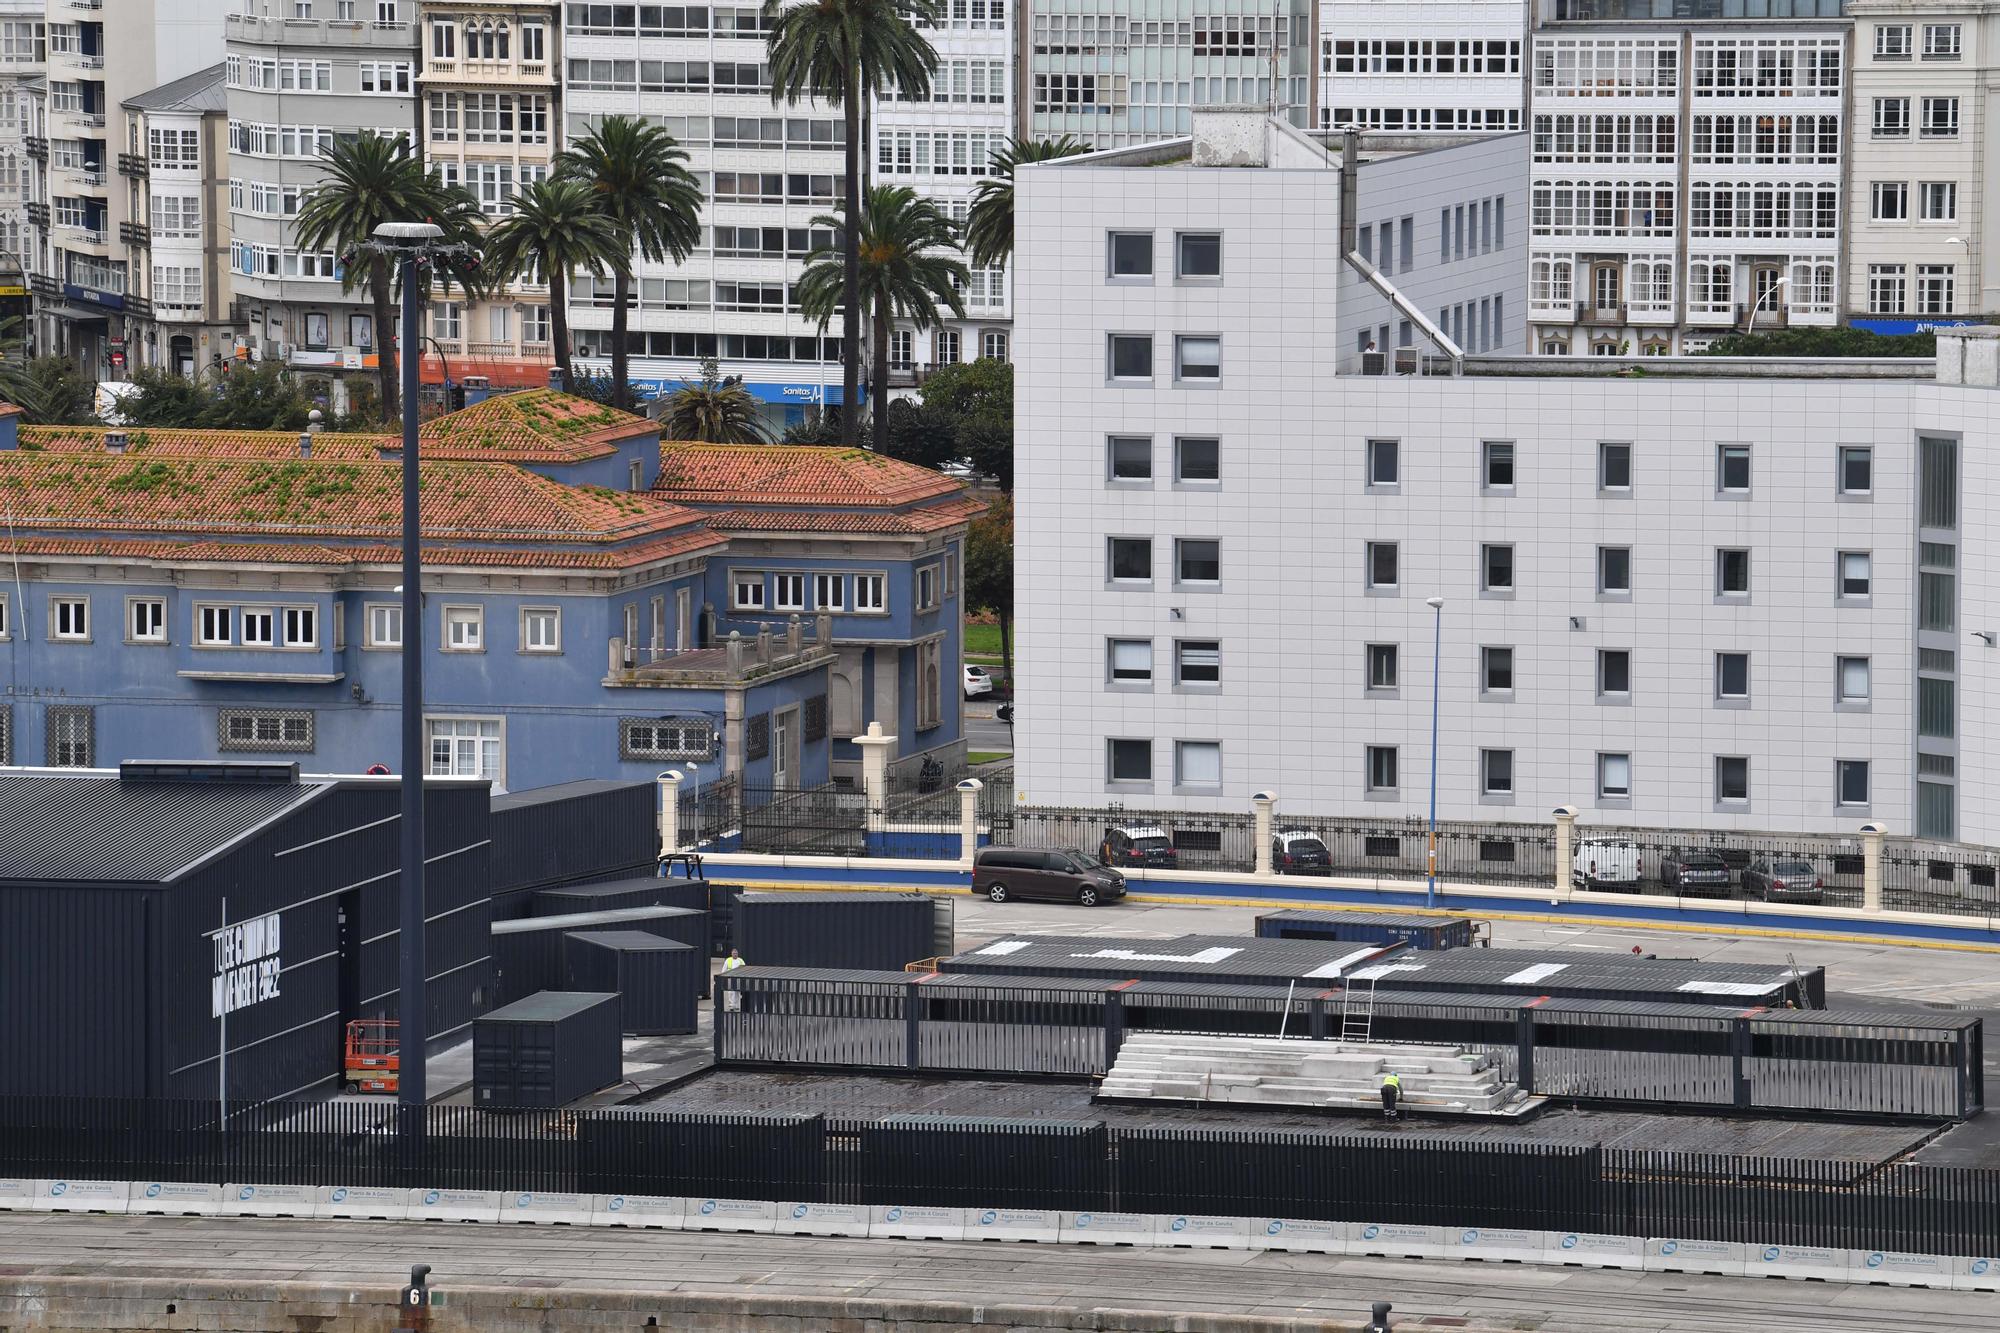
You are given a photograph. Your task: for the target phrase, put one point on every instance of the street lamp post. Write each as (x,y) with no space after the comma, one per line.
(1436,604)
(1751,326)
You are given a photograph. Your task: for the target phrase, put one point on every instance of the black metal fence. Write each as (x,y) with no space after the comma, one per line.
(1022,1164)
(707,811)
(820,821)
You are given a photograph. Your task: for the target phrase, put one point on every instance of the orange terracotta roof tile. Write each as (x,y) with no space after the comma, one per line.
(680,542)
(9,410)
(534,425)
(793,474)
(923,518)
(157,441)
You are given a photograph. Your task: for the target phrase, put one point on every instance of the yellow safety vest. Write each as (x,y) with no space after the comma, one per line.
(731,964)
(1393,1081)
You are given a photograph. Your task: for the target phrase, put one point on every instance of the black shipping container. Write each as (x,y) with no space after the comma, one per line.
(528,957)
(572,832)
(547,1050)
(628,891)
(1419,932)
(657,981)
(849,930)
(722,916)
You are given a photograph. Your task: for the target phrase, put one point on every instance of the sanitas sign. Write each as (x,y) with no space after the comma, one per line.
(246,965)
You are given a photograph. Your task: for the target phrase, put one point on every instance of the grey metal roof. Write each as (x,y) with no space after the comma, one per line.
(628,941)
(1312,918)
(95,827)
(547,1006)
(561,791)
(201,91)
(585,920)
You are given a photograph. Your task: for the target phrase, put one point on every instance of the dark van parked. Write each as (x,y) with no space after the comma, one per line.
(1070,877)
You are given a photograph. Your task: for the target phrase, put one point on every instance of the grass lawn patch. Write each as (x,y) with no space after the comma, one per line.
(983,640)
(985,756)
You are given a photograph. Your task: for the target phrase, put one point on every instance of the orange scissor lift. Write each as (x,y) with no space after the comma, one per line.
(373,1060)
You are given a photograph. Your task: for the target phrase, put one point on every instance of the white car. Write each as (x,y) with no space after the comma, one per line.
(977,682)
(1607,864)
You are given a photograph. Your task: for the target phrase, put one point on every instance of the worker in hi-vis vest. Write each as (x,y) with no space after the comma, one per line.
(734,961)
(1392,1088)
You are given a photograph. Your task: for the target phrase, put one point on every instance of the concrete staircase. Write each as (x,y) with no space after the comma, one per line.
(1437,1080)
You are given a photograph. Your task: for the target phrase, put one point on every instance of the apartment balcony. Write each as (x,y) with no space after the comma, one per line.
(134,164)
(92,177)
(136,234)
(89,120)
(1773,316)
(69,231)
(38,214)
(1592,315)
(910,375)
(736,661)
(276,31)
(453,70)
(37,147)
(76,59)
(86,4)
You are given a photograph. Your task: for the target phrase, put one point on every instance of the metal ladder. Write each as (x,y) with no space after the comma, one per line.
(1798,980)
(1357,1011)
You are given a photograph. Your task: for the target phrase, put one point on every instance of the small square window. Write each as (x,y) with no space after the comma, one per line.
(1129,761)
(1130,661)
(1496,670)
(1496,568)
(1198,764)
(1496,772)
(541,630)
(1614,569)
(1852,673)
(1614,776)
(1200,255)
(747,591)
(385,625)
(1197,458)
(1857,471)
(1381,666)
(788,591)
(1197,561)
(1732,675)
(1131,559)
(1384,462)
(1851,781)
(1381,568)
(1131,254)
(1732,468)
(1732,778)
(1497,465)
(69,618)
(1197,358)
(148,619)
(1381,760)
(1614,467)
(1856,577)
(259,627)
(1732,573)
(1130,457)
(464,629)
(1131,356)
(1614,671)
(1198,662)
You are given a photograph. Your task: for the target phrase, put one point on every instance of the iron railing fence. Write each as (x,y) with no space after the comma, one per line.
(707,811)
(816,821)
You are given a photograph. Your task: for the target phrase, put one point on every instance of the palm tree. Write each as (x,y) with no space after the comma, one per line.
(638,179)
(371,180)
(843,52)
(556,232)
(713,410)
(905,270)
(989,223)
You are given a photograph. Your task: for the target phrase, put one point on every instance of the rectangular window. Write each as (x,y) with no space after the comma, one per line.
(788,593)
(1130,661)
(1939,201)
(1614,671)
(1936,600)
(1853,676)
(1131,254)
(1889,201)
(1198,764)
(1496,568)
(1732,778)
(1497,465)
(541,629)
(1937,289)
(1614,467)
(1732,675)
(1197,458)
(464,629)
(1851,781)
(927,588)
(1383,462)
(146,619)
(69,618)
(264,729)
(1887,289)
(871,593)
(1496,772)
(1732,468)
(1130,559)
(1941,41)
(665,738)
(1892,41)
(1197,561)
(1381,569)
(385,625)
(1128,761)
(1940,118)
(829,592)
(1130,457)
(1131,356)
(1937,708)
(301,626)
(1381,760)
(1732,573)
(1197,358)
(1856,579)
(1198,662)
(467,747)
(1614,776)
(1856,470)
(69,735)
(1614,569)
(1381,666)
(1937,482)
(1496,670)
(747,591)
(259,627)
(1892,117)
(1199,254)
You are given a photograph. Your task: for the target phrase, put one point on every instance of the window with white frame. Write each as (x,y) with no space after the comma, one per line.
(301,627)
(146,619)
(1128,760)
(1937,289)
(993,346)
(1198,764)
(1892,118)
(465,747)
(1496,567)
(871,593)
(215,625)
(265,729)
(464,629)
(1197,459)
(6,618)
(1380,768)
(1614,569)
(259,627)
(1732,779)
(1887,289)
(69,619)
(927,585)
(1857,469)
(1129,661)
(385,625)
(1851,781)
(1852,675)
(829,592)
(1732,675)
(1496,772)
(1732,572)
(1889,201)
(747,590)
(1940,118)
(1130,356)
(385,76)
(1197,561)
(1614,776)
(1614,672)
(1856,577)
(541,629)
(788,592)
(1381,564)
(1381,663)
(1892,41)
(1198,663)
(1943,41)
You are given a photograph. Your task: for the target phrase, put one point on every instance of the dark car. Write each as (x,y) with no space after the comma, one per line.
(1002,873)
(1783,879)
(1694,870)
(1143,846)
(1296,852)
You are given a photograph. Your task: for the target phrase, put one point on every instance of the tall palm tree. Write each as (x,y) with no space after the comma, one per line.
(713,410)
(843,52)
(906,271)
(371,180)
(638,178)
(989,223)
(555,232)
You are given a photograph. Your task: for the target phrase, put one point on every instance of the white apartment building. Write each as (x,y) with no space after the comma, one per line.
(1421,66)
(1688,599)
(23,60)
(1118,72)
(1687,172)
(174,159)
(1919,192)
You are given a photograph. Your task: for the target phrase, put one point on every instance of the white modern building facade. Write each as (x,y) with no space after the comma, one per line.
(1686,600)
(23,61)
(1422,66)
(174,160)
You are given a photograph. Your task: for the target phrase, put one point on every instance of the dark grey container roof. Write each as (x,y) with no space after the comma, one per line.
(611,888)
(561,791)
(96,827)
(787,895)
(549,1006)
(585,920)
(628,941)
(1362,919)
